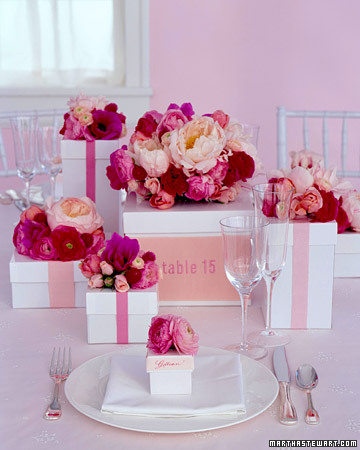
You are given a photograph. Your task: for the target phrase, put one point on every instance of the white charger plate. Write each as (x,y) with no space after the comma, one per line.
(85,390)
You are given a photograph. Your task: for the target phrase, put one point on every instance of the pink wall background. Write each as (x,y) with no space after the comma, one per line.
(249,56)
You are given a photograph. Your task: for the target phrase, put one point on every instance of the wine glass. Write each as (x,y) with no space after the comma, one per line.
(24,131)
(49,153)
(273,201)
(251,131)
(244,244)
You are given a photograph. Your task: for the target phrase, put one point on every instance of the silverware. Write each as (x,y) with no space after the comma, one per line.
(17,200)
(307,380)
(288,414)
(5,199)
(59,371)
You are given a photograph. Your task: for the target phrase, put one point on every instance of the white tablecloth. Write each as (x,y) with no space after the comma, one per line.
(27,338)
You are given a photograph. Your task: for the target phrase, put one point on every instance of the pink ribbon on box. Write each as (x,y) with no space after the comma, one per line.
(61,284)
(300,274)
(90,170)
(122,318)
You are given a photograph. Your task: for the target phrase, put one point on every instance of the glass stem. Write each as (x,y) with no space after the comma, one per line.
(244,297)
(270,281)
(52,186)
(27,193)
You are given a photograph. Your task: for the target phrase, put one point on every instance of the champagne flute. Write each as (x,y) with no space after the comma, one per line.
(24,131)
(244,244)
(273,201)
(49,153)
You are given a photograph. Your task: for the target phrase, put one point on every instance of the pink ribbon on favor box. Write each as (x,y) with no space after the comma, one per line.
(61,284)
(90,170)
(300,275)
(122,318)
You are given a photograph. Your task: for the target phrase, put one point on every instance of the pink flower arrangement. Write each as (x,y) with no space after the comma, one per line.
(172,332)
(319,194)
(93,118)
(178,155)
(66,230)
(121,265)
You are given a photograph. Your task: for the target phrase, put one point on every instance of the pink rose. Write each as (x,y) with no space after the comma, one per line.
(96,281)
(162,200)
(106,268)
(351,205)
(172,119)
(301,178)
(184,337)
(306,159)
(79,213)
(197,145)
(226,194)
(200,187)
(160,339)
(121,284)
(221,118)
(312,200)
(90,266)
(153,185)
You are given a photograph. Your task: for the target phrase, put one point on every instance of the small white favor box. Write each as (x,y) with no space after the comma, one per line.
(46,284)
(84,174)
(170,373)
(347,255)
(187,242)
(302,296)
(120,318)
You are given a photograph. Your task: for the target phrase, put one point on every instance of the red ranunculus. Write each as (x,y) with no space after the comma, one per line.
(174,181)
(139,173)
(68,243)
(241,167)
(329,210)
(133,275)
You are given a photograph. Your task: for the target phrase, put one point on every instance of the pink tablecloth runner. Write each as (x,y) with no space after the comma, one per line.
(27,338)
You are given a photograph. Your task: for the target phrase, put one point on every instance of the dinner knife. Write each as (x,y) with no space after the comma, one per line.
(288,414)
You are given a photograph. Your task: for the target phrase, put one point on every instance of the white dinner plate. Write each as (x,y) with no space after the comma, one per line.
(85,390)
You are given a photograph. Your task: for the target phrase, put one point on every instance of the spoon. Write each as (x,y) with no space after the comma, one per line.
(307,380)
(5,199)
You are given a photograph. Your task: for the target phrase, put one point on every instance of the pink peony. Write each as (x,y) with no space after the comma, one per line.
(121,284)
(73,129)
(94,241)
(201,187)
(219,172)
(79,213)
(162,200)
(96,281)
(184,338)
(148,123)
(121,168)
(351,205)
(160,339)
(150,155)
(149,276)
(90,266)
(173,119)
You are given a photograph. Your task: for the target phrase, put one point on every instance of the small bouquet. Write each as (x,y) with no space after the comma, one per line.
(121,265)
(172,332)
(66,230)
(180,156)
(319,194)
(93,118)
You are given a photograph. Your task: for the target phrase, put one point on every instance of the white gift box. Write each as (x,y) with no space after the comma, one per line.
(347,255)
(46,284)
(187,242)
(170,373)
(302,296)
(120,318)
(84,174)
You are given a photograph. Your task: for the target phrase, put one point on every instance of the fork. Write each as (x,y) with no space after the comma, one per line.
(59,371)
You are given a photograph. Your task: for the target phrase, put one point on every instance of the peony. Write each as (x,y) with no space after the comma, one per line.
(79,213)
(121,168)
(221,118)
(174,181)
(184,338)
(94,241)
(160,339)
(241,167)
(219,172)
(306,159)
(68,244)
(120,252)
(197,145)
(149,276)
(90,266)
(301,178)
(121,284)
(201,187)
(150,155)
(162,200)
(173,119)
(148,123)
(329,210)
(351,205)
(73,129)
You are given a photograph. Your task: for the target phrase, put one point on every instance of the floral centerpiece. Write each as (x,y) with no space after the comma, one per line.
(170,332)
(66,230)
(319,194)
(93,118)
(121,265)
(179,155)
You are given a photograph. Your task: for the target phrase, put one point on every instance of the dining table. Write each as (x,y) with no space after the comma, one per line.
(28,336)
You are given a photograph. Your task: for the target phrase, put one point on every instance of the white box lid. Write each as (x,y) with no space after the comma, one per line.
(71,149)
(24,269)
(192,217)
(320,233)
(140,301)
(348,242)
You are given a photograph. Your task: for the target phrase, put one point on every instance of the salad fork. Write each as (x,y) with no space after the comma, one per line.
(59,371)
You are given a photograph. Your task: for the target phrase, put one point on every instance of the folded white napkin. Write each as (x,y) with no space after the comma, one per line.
(217,388)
